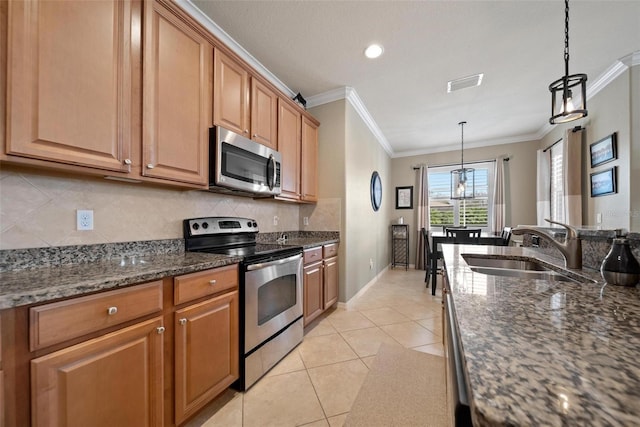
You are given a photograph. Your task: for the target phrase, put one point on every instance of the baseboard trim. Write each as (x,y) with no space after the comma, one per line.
(364,289)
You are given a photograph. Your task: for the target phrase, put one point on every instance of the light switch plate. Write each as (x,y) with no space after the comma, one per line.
(598,218)
(84,219)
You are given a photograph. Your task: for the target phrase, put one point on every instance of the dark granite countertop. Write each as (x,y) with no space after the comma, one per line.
(47,283)
(541,352)
(29,276)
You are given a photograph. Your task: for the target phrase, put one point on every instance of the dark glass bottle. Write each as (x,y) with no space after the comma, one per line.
(620,267)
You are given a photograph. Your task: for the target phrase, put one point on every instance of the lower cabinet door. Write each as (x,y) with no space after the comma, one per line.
(330,282)
(206,352)
(313,294)
(113,380)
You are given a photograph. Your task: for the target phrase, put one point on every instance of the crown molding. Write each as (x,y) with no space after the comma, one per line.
(225,38)
(468,145)
(352,97)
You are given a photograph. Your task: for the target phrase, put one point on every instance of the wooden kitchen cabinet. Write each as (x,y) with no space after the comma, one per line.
(264,114)
(321,280)
(313,292)
(289,125)
(113,380)
(243,103)
(309,160)
(71,67)
(206,352)
(177,98)
(231,94)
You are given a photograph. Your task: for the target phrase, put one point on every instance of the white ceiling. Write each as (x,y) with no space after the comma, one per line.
(315,47)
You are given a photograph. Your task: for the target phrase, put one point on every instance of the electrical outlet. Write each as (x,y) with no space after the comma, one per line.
(305,220)
(370,263)
(84,219)
(275,220)
(598,218)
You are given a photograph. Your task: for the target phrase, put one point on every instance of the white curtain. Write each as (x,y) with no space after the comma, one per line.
(543,187)
(572,176)
(499,210)
(423,214)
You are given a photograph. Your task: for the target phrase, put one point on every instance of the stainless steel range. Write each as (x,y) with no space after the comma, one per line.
(271,322)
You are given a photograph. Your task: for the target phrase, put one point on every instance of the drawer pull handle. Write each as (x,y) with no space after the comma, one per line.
(212,282)
(127,161)
(112,310)
(183,321)
(160,329)
(150,166)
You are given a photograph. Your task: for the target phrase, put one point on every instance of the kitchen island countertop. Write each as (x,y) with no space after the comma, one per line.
(541,352)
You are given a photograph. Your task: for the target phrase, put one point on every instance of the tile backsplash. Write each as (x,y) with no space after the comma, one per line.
(39,210)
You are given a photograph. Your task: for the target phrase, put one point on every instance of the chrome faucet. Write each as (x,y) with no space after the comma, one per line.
(571,249)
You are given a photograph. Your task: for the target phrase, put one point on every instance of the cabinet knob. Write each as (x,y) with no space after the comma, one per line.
(112,310)
(183,321)
(127,161)
(160,329)
(255,135)
(150,166)
(246,131)
(212,282)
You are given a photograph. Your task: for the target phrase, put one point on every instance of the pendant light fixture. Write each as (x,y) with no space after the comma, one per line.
(463,184)
(563,103)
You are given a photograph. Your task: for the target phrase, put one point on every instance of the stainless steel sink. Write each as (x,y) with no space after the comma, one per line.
(512,264)
(548,275)
(524,269)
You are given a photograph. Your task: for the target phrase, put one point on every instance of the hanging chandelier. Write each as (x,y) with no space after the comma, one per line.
(563,103)
(462,180)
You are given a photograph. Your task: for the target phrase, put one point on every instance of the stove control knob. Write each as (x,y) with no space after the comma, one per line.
(195,226)
(255,224)
(205,225)
(248,223)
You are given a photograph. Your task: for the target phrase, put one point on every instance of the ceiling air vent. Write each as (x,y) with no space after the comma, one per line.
(464,82)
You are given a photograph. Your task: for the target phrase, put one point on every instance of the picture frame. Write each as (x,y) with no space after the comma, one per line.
(604,182)
(604,150)
(404,197)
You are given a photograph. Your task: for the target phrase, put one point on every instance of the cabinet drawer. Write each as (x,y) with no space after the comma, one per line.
(329,251)
(312,255)
(203,283)
(57,322)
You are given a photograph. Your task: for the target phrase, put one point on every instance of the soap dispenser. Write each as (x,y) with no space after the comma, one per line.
(620,267)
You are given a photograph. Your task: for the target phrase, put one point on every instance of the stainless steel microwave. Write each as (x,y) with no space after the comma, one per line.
(238,165)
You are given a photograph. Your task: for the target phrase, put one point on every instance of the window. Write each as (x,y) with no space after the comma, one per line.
(472,212)
(557,184)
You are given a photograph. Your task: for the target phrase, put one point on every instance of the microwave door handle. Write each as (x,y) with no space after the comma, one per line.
(272,160)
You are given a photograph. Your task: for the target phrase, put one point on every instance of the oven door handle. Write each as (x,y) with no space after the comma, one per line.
(272,263)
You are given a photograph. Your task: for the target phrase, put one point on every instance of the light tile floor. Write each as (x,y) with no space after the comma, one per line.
(316,384)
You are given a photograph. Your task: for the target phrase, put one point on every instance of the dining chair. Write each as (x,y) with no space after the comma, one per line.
(428,256)
(464,235)
(506,236)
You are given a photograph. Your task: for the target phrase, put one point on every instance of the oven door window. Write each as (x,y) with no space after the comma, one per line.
(275,297)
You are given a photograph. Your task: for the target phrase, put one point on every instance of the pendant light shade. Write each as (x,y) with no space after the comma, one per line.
(568,93)
(463,183)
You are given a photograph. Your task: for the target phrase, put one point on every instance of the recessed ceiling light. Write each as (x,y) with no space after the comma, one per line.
(464,82)
(373,51)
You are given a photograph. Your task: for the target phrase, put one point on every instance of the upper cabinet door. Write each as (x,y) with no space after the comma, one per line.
(231,95)
(289,147)
(309,169)
(264,114)
(177,98)
(69,81)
